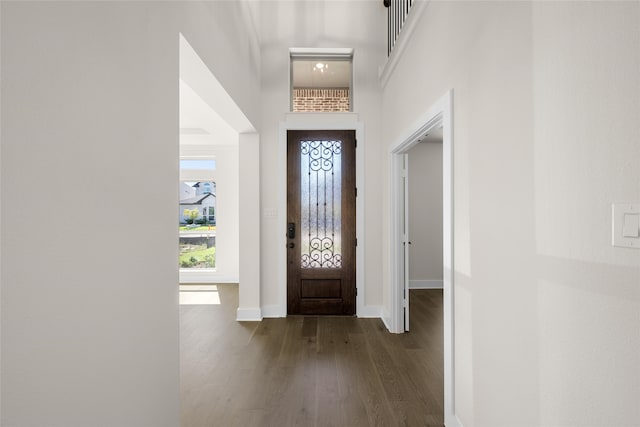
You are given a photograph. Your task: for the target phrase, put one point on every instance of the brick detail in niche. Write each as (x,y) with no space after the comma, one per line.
(307,100)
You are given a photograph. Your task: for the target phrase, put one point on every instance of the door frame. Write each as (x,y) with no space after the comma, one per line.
(406,247)
(439,115)
(321,121)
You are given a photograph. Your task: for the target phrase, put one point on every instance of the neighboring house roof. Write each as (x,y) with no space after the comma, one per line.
(197,184)
(196,200)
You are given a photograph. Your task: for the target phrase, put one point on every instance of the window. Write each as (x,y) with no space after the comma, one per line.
(198,164)
(210,214)
(321,80)
(197,221)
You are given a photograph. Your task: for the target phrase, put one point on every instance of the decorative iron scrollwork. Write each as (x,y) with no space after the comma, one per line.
(320,160)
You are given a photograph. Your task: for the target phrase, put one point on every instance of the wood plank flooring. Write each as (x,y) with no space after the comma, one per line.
(310,371)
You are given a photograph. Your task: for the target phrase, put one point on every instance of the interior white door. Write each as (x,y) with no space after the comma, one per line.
(406,240)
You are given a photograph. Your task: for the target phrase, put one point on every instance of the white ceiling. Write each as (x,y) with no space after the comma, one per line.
(433,136)
(199,123)
(197,76)
(336,74)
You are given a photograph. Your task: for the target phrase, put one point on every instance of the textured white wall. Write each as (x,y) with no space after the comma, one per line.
(228,213)
(425,211)
(249,267)
(333,25)
(90,97)
(546,131)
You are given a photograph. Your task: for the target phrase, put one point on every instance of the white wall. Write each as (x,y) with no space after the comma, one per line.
(546,107)
(227,214)
(425,215)
(249,218)
(90,97)
(316,24)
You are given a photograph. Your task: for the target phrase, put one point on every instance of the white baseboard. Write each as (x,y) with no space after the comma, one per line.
(387,322)
(426,284)
(248,315)
(370,311)
(452,421)
(273,311)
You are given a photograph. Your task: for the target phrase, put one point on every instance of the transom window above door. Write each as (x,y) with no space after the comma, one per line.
(321,80)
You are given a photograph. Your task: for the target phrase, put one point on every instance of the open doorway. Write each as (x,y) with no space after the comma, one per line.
(218,211)
(214,128)
(439,116)
(423,206)
(208,205)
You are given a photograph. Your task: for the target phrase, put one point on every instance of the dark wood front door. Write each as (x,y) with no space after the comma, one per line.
(321,222)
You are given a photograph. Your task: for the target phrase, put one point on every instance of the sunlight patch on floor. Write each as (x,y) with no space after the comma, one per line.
(199,295)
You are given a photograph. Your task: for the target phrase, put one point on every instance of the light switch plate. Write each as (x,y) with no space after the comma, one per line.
(624,230)
(631,225)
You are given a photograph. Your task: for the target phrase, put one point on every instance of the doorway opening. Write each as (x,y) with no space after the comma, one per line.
(438,117)
(215,131)
(208,208)
(423,220)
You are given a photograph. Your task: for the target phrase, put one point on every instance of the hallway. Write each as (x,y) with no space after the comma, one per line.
(310,371)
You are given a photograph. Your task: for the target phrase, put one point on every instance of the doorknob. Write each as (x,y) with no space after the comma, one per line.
(291,245)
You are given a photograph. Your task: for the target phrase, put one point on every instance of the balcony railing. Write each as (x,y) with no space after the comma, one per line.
(397,12)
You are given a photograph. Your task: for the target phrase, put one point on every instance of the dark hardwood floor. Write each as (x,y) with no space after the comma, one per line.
(310,371)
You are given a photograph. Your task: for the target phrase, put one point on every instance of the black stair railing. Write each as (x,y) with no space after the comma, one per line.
(397,12)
